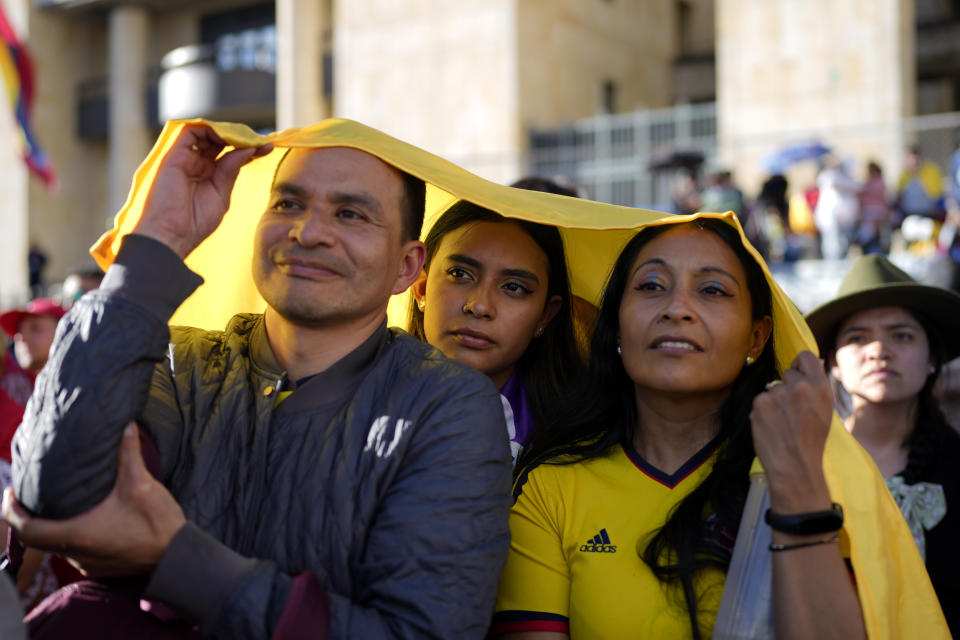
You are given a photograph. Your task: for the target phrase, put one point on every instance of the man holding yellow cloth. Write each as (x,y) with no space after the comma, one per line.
(319,474)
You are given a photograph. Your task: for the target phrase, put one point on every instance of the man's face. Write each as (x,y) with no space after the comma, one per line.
(329,247)
(33,340)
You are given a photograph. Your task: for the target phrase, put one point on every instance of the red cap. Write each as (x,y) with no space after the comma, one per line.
(10,321)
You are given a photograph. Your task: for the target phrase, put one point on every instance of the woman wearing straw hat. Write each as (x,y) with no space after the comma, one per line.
(885,338)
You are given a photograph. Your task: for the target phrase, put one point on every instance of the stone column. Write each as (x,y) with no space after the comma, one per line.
(300,27)
(795,70)
(130,137)
(14,214)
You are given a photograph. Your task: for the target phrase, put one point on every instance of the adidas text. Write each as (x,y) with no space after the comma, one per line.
(599,548)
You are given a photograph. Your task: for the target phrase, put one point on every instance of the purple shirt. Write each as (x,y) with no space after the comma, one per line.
(516,411)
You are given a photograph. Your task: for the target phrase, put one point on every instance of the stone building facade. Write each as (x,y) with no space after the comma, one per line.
(467,79)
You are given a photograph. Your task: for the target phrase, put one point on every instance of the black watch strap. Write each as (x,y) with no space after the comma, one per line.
(804,524)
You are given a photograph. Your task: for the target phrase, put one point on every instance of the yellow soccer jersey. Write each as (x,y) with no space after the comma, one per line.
(577,533)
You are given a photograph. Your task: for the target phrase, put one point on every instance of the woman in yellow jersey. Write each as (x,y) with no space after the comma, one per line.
(628,530)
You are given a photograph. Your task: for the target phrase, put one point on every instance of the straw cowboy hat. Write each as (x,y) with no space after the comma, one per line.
(873,281)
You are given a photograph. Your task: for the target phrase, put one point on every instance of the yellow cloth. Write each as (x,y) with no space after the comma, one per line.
(894,590)
(224,259)
(560,577)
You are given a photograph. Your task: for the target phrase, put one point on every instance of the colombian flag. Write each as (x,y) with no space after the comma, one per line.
(16,68)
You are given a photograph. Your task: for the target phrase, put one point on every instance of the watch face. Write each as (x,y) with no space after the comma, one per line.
(823,522)
(807,523)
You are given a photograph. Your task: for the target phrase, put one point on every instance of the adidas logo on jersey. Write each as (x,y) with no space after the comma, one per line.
(599,543)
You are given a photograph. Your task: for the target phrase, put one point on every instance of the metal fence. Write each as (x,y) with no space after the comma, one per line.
(609,156)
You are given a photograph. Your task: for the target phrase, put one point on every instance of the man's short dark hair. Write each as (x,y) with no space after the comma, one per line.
(412,203)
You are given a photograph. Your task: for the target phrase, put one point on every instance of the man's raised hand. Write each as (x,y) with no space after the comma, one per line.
(191,191)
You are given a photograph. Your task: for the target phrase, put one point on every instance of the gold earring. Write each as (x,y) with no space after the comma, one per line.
(750,360)
(538,332)
(421,304)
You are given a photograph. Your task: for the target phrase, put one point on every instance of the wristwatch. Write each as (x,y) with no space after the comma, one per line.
(804,524)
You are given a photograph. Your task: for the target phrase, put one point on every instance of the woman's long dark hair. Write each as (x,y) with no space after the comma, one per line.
(552,363)
(932,436)
(700,530)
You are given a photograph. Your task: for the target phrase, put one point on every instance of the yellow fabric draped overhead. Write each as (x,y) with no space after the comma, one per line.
(224,259)
(893,586)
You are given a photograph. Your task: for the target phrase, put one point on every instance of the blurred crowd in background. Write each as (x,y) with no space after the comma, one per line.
(843,210)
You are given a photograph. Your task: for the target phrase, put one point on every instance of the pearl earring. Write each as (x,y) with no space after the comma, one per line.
(421,304)
(750,360)
(619,350)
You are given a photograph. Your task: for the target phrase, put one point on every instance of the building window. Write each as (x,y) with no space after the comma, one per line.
(242,39)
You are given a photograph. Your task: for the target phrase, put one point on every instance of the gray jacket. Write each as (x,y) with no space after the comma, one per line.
(371,503)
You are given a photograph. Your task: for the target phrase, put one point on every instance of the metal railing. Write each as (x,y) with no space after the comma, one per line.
(609,156)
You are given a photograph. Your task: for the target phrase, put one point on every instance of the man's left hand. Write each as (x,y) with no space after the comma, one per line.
(124,535)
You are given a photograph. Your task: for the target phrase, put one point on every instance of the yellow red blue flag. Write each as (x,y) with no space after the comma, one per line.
(16,68)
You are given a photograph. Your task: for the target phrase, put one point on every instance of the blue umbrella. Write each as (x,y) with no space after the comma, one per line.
(781,160)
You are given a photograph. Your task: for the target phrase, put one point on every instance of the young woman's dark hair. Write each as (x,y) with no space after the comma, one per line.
(551,363)
(602,414)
